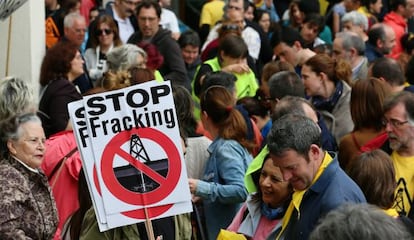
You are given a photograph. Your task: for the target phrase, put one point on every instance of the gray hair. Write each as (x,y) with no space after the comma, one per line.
(404,97)
(290,105)
(10,129)
(350,40)
(124,57)
(16,97)
(356,18)
(69,19)
(293,132)
(359,221)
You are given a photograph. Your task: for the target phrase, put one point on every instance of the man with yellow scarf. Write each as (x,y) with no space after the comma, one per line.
(319,184)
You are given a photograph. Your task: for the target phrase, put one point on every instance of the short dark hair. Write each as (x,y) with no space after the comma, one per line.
(285,83)
(409,71)
(375,33)
(233,46)
(293,132)
(366,3)
(315,19)
(407,42)
(395,3)
(389,69)
(189,38)
(253,106)
(149,4)
(219,78)
(287,35)
(309,6)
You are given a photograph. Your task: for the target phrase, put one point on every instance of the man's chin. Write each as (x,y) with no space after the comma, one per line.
(395,145)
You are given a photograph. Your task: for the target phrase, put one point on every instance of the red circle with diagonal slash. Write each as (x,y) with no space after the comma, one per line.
(137,213)
(167,184)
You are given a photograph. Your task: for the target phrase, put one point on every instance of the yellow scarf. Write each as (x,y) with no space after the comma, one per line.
(298,195)
(391,212)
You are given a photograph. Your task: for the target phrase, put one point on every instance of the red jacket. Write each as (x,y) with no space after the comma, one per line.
(399,25)
(65,189)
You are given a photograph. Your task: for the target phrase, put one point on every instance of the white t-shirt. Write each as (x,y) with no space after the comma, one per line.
(169,20)
(125,27)
(250,36)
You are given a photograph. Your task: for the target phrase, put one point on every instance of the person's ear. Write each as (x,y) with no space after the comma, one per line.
(11,147)
(353,52)
(204,114)
(380,43)
(254,118)
(314,152)
(323,76)
(297,45)
(221,54)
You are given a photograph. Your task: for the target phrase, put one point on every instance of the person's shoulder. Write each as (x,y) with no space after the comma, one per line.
(164,41)
(89,52)
(59,86)
(12,178)
(219,144)
(230,146)
(8,171)
(199,140)
(168,13)
(344,187)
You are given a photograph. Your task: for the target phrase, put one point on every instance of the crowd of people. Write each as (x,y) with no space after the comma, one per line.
(296,123)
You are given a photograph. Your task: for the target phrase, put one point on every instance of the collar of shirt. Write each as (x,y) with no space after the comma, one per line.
(27,166)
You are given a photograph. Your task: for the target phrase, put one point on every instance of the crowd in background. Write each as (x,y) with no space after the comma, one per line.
(296,121)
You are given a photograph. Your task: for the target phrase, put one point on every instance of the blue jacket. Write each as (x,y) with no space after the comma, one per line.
(222,187)
(372,53)
(331,190)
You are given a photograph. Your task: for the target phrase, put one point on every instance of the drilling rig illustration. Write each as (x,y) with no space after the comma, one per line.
(135,180)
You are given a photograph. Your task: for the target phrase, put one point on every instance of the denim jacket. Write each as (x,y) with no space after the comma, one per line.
(222,187)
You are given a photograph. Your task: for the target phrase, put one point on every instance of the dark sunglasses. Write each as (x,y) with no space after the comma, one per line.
(106,31)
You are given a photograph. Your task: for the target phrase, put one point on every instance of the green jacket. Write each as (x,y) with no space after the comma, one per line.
(90,229)
(246,84)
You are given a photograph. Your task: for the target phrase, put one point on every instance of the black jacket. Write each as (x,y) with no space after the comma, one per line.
(173,67)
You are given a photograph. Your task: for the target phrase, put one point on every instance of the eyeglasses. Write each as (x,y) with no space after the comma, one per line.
(394,123)
(107,31)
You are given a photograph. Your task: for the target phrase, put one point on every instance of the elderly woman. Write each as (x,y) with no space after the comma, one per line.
(27,208)
(129,56)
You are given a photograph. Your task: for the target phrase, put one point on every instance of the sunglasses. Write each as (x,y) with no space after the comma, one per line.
(99,32)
